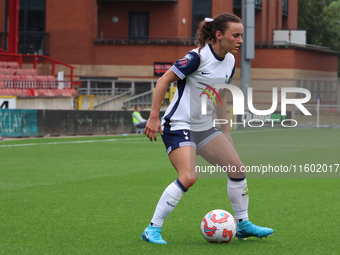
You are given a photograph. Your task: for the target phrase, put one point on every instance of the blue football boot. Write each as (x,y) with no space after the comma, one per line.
(246,229)
(153,235)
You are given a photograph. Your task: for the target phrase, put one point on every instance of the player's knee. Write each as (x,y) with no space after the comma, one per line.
(237,170)
(187,181)
(192,181)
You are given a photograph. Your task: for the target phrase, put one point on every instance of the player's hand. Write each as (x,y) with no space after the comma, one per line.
(229,138)
(152,127)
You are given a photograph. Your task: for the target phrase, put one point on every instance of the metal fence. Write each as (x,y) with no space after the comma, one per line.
(114,86)
(104,91)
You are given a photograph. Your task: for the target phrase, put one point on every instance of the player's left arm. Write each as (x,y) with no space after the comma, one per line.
(222,113)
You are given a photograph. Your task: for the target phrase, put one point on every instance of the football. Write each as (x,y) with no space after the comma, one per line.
(218,226)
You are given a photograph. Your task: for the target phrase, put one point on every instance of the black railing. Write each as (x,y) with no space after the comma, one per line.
(3,40)
(29,42)
(145,40)
(148,38)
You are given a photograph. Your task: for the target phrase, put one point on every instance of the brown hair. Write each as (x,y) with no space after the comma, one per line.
(207,30)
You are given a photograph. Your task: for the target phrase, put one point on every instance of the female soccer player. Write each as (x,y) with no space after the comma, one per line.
(186,132)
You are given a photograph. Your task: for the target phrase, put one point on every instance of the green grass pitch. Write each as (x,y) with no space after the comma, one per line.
(95,195)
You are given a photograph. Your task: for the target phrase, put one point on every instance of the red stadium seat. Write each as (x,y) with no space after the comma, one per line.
(15,92)
(14,77)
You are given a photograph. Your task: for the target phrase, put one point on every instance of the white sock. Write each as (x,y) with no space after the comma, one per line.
(239,198)
(169,199)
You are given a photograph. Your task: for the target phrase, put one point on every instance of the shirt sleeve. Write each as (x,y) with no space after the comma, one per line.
(187,65)
(231,76)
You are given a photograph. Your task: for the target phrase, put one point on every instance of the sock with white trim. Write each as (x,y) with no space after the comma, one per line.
(166,204)
(239,197)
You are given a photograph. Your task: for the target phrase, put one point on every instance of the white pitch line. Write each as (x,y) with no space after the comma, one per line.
(71,142)
(131,139)
(288,146)
(263,130)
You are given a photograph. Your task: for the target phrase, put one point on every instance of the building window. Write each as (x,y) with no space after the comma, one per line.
(284,7)
(298,84)
(139,25)
(312,89)
(201,9)
(318,90)
(330,85)
(258,4)
(32,19)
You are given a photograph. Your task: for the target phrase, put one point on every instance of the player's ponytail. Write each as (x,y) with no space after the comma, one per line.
(207,28)
(204,32)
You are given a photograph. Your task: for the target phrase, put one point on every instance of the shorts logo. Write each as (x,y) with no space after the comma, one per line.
(186,60)
(186,135)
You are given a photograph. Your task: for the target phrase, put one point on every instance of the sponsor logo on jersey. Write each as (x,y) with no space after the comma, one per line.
(186,60)
(209,91)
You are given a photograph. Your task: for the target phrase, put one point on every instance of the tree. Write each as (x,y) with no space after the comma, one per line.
(321,19)
(332,18)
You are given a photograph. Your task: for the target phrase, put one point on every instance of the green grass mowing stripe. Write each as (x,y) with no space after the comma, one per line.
(107,215)
(97,198)
(49,164)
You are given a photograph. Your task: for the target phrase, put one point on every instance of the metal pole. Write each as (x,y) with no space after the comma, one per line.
(247,51)
(113,87)
(13,26)
(317,113)
(133,87)
(71,78)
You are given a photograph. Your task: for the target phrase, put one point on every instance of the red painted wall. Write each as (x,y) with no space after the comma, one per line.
(308,60)
(162,17)
(2,15)
(184,9)
(219,6)
(72,26)
(292,18)
(294,59)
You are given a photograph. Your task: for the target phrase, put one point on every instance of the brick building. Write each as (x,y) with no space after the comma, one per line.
(124,39)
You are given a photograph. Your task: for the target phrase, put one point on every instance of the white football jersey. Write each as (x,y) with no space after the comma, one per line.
(198,73)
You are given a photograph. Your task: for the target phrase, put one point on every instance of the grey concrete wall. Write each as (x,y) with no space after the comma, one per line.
(338,96)
(113,105)
(26,123)
(45,103)
(326,118)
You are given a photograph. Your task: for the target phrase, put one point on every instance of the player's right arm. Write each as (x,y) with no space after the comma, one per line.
(154,125)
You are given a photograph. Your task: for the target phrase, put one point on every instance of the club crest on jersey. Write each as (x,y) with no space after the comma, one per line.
(209,91)
(186,60)
(226,81)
